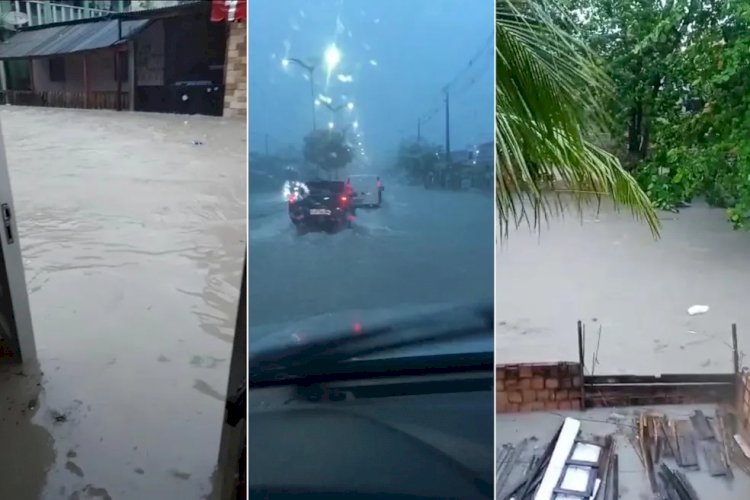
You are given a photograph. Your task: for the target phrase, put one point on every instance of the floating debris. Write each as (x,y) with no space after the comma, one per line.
(697,309)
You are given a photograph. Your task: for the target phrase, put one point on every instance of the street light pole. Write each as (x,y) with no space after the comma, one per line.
(312,97)
(447,128)
(310,71)
(332,57)
(335,109)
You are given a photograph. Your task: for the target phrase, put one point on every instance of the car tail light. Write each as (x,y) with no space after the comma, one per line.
(344,199)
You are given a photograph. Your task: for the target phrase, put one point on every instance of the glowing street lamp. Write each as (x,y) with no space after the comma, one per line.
(355,124)
(330,125)
(332,57)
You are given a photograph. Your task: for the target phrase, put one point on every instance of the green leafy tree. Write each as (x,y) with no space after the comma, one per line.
(328,150)
(417,159)
(683,95)
(551,95)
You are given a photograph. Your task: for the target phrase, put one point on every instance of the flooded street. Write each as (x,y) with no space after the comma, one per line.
(421,247)
(133,241)
(611,274)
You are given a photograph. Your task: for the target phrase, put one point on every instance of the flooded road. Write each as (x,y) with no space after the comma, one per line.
(421,247)
(133,241)
(611,274)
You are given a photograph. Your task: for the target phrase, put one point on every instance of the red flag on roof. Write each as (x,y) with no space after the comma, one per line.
(228,10)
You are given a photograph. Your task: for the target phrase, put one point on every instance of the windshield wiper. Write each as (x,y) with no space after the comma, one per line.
(303,359)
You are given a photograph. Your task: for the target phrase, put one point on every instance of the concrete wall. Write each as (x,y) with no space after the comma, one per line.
(742,404)
(235,92)
(538,386)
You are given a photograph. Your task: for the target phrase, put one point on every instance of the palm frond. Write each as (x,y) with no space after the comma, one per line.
(549,94)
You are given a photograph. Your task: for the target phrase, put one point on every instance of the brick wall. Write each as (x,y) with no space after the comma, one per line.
(742,405)
(235,91)
(538,386)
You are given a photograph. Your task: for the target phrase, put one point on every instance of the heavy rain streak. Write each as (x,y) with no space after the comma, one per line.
(371,158)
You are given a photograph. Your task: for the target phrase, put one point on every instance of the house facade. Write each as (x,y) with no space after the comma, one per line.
(177,58)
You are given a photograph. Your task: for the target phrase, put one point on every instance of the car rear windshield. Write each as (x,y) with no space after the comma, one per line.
(324,187)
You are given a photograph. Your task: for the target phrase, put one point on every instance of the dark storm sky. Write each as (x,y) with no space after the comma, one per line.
(399,54)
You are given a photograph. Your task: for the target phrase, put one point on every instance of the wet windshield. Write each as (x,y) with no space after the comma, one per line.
(392,92)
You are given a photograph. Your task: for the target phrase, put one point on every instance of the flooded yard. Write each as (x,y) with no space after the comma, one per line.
(133,239)
(631,291)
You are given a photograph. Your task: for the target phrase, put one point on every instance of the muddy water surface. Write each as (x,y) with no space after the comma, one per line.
(631,291)
(133,240)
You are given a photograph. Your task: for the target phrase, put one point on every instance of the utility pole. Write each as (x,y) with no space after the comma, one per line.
(419,130)
(266,144)
(447,127)
(310,68)
(312,95)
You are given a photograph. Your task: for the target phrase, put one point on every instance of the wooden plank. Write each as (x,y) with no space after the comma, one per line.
(701,426)
(671,448)
(653,393)
(743,445)
(640,387)
(714,461)
(723,442)
(686,444)
(85,81)
(673,378)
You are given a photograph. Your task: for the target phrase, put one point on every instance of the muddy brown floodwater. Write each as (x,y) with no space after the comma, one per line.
(610,273)
(133,241)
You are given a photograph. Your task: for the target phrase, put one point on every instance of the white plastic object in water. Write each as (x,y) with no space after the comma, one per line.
(697,309)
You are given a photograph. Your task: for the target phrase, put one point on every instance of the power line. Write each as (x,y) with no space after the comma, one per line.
(454,86)
(471,64)
(471,79)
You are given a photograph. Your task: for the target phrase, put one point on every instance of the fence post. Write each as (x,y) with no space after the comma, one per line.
(582,361)
(735,351)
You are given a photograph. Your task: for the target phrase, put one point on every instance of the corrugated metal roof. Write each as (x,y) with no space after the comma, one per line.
(66,39)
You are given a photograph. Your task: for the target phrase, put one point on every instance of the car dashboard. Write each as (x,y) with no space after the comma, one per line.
(413,435)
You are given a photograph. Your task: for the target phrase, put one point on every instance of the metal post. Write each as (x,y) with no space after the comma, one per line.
(582,361)
(419,130)
(581,343)
(312,96)
(735,352)
(447,128)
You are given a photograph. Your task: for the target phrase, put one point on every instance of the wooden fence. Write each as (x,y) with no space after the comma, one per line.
(64,99)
